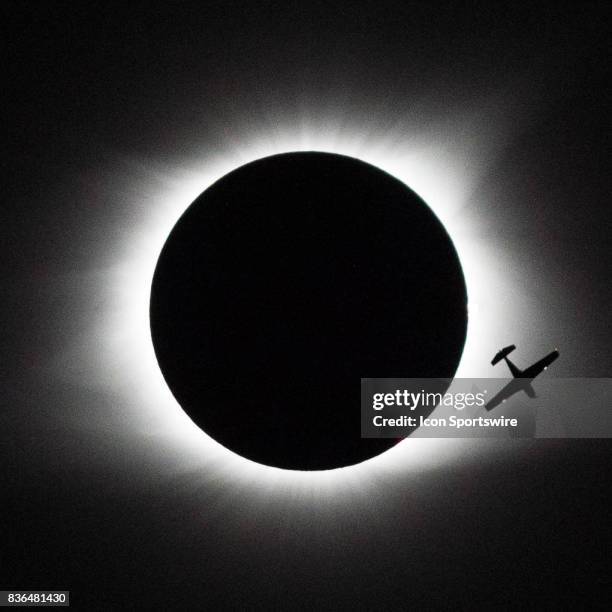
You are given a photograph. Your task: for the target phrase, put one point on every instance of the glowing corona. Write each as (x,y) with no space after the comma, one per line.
(126,361)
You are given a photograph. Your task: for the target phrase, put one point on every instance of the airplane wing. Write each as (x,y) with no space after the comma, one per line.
(510,389)
(539,366)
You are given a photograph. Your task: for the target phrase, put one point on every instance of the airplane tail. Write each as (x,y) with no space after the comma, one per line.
(503,354)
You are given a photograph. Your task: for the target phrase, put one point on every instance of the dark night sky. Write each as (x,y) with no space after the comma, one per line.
(93,501)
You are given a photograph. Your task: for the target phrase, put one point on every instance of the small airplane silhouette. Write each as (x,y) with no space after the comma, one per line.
(522,378)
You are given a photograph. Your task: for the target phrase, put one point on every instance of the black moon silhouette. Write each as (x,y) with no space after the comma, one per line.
(286,282)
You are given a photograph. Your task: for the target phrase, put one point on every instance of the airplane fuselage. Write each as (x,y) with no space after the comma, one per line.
(521,380)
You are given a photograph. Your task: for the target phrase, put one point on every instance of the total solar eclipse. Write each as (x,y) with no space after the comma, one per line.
(286,282)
